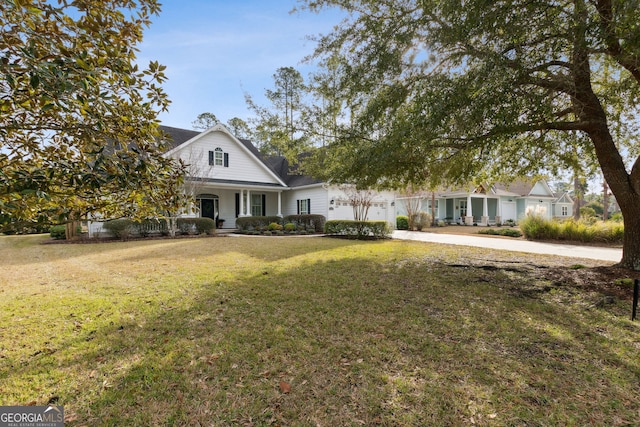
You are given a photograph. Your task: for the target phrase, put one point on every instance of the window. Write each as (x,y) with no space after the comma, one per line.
(218,158)
(565,211)
(304,206)
(258,205)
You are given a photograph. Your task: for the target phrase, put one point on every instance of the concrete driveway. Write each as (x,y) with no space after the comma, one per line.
(518,245)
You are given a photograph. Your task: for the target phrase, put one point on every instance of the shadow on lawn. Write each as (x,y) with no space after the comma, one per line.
(356,340)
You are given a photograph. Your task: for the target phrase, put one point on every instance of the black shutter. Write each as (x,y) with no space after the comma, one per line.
(210,158)
(298,203)
(264,205)
(237,205)
(226,160)
(309,206)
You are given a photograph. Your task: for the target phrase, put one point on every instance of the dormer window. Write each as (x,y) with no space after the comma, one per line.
(218,157)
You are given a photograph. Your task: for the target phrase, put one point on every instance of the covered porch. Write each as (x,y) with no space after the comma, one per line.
(225,203)
(470,209)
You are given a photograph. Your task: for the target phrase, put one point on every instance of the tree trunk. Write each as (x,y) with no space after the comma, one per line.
(631,245)
(605,201)
(577,197)
(626,188)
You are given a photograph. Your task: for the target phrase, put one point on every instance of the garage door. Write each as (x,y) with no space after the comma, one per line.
(378,212)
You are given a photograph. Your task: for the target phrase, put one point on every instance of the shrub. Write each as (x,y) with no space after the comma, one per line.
(421,220)
(289,227)
(616,217)
(248,223)
(274,226)
(402,222)
(58,232)
(509,232)
(312,222)
(358,229)
(582,230)
(538,228)
(196,225)
(119,228)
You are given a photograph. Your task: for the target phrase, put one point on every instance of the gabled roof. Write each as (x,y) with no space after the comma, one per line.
(277,165)
(524,188)
(178,136)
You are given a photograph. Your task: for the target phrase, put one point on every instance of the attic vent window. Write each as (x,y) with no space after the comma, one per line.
(218,158)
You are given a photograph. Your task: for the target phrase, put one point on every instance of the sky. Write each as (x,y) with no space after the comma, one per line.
(218,50)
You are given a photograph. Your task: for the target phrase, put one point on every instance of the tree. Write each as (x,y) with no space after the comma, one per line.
(277,128)
(205,121)
(359,199)
(239,128)
(480,90)
(77,116)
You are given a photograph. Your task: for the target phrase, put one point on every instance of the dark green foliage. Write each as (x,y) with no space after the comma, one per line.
(358,229)
(249,223)
(58,232)
(196,225)
(402,222)
(119,228)
(509,232)
(311,222)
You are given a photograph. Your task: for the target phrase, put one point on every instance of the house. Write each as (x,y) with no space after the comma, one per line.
(490,204)
(229,178)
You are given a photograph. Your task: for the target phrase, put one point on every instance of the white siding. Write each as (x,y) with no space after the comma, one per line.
(243,166)
(317,195)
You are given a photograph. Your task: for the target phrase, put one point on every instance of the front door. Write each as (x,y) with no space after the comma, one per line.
(209,208)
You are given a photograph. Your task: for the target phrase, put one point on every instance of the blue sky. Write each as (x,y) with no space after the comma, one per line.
(216,50)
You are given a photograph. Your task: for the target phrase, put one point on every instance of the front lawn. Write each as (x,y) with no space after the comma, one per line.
(240,331)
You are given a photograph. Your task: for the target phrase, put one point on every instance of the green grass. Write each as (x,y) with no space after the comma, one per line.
(211,331)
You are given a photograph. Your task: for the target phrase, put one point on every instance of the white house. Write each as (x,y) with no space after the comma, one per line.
(230,178)
(497,203)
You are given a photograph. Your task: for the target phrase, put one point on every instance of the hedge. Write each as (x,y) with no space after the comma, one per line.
(250,223)
(312,223)
(196,225)
(58,232)
(123,228)
(402,222)
(358,229)
(119,228)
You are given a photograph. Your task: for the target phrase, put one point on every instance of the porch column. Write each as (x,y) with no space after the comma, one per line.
(248,203)
(280,204)
(468,220)
(498,212)
(485,211)
(241,203)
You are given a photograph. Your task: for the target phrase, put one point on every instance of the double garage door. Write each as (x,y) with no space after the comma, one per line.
(377,211)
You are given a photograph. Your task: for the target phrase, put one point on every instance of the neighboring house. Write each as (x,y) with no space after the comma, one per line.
(491,204)
(229,178)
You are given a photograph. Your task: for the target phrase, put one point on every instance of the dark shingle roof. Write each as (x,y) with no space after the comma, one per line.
(178,136)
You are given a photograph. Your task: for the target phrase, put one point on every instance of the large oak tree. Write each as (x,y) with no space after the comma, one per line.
(453,90)
(78,127)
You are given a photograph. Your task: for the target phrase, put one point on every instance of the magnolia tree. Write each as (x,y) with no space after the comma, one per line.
(78,126)
(487,91)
